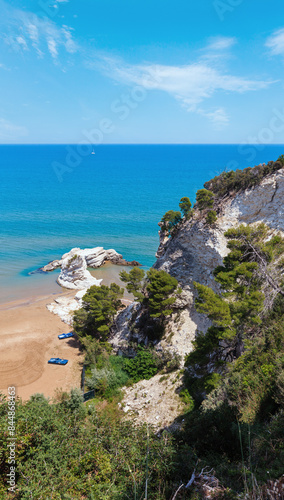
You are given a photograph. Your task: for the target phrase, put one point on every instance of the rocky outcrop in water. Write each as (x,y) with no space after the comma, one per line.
(74,273)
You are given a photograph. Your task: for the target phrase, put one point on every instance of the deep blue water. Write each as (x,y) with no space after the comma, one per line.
(114,199)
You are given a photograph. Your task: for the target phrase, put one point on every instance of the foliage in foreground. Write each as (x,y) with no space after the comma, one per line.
(67,450)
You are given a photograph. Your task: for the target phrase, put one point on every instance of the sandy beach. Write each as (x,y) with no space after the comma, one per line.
(28,338)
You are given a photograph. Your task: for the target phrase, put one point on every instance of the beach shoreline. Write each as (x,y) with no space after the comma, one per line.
(29,337)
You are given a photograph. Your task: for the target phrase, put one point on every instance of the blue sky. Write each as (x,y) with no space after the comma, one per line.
(141,71)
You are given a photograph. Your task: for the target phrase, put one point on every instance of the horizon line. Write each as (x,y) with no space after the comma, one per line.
(141,144)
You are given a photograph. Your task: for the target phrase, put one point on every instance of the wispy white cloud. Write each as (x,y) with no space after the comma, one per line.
(3,66)
(275,42)
(190,84)
(219,117)
(70,45)
(221,43)
(52,47)
(22,42)
(25,31)
(9,130)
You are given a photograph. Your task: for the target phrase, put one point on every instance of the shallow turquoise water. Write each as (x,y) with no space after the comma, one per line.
(114,199)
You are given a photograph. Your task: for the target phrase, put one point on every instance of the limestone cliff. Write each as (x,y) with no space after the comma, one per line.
(197,248)
(192,255)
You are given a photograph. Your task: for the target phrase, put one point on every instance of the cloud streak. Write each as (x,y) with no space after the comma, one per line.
(9,130)
(275,42)
(191,85)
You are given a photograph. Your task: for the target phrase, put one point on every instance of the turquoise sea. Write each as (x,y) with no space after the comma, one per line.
(55,197)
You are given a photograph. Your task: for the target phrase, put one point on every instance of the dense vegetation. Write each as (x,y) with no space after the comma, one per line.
(204,199)
(105,372)
(157,292)
(67,450)
(236,372)
(232,181)
(251,286)
(100,304)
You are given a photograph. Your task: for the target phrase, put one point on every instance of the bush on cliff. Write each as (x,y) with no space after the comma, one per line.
(160,289)
(144,366)
(232,181)
(157,292)
(211,217)
(134,282)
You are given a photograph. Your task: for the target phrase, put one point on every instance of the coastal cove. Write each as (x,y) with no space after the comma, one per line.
(28,338)
(114,199)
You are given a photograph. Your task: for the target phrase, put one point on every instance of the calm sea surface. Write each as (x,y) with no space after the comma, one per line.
(53,198)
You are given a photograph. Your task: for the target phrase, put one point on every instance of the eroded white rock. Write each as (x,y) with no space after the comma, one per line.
(74,274)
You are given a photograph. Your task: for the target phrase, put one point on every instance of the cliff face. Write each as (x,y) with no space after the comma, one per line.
(194,252)
(197,248)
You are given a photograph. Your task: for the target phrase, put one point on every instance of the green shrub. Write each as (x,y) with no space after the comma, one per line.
(211,217)
(160,288)
(187,399)
(170,221)
(232,181)
(109,374)
(134,281)
(204,199)
(185,206)
(281,160)
(143,366)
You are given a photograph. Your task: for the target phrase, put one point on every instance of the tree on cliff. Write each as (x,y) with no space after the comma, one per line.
(160,291)
(100,305)
(211,217)
(170,221)
(204,199)
(134,281)
(251,285)
(157,292)
(185,206)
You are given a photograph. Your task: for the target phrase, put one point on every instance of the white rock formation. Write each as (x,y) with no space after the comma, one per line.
(74,274)
(65,306)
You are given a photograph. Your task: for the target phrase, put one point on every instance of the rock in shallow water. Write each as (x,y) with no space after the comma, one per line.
(74,273)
